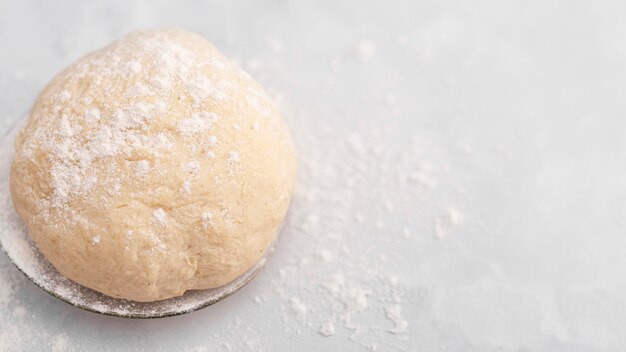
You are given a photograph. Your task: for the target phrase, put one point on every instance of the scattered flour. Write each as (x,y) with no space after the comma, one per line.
(197,123)
(275,44)
(364,50)
(423,175)
(60,343)
(354,299)
(10,337)
(326,256)
(390,100)
(393,313)
(297,306)
(339,263)
(448,221)
(327,328)
(19,312)
(142,168)
(233,157)
(16,333)
(159,217)
(192,167)
(134,66)
(185,188)
(207,219)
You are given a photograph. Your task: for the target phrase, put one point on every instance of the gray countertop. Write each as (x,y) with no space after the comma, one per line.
(462,174)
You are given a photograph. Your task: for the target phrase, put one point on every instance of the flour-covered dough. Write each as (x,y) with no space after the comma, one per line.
(153,166)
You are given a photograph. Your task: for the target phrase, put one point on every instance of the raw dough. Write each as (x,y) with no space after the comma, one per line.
(153,166)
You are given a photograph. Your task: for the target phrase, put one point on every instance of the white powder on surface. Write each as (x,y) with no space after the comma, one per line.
(356,143)
(233,157)
(394,314)
(95,240)
(390,100)
(326,256)
(185,188)
(65,96)
(92,115)
(207,219)
(333,63)
(192,167)
(343,257)
(197,123)
(354,299)
(423,175)
(60,343)
(76,149)
(159,217)
(134,66)
(297,306)
(274,44)
(142,168)
(327,328)
(364,50)
(448,221)
(10,337)
(17,331)
(393,280)
(19,312)
(201,87)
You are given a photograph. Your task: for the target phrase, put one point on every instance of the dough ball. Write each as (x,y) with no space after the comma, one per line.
(153,166)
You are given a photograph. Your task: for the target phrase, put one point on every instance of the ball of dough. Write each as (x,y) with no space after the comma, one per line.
(153,166)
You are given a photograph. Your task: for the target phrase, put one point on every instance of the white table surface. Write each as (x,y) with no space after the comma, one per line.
(517,106)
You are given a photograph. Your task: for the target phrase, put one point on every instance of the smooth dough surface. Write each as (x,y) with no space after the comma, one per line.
(153,166)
